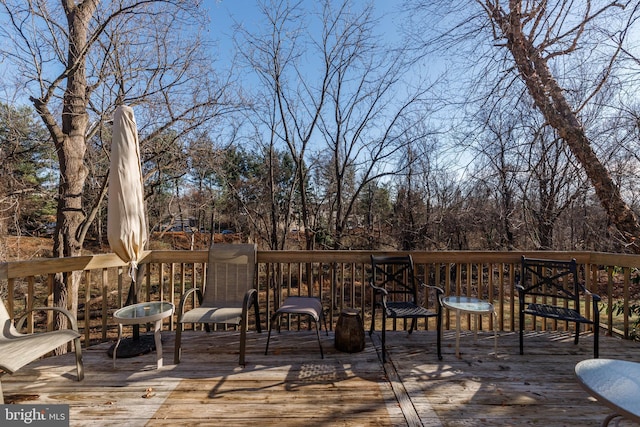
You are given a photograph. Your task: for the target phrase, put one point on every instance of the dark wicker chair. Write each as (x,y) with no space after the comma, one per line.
(396,293)
(551,289)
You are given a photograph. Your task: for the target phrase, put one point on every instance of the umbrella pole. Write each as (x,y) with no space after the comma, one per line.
(137,344)
(132,298)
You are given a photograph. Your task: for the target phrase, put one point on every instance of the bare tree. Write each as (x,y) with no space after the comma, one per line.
(543,48)
(291,101)
(536,34)
(520,158)
(503,166)
(553,185)
(79,59)
(368,122)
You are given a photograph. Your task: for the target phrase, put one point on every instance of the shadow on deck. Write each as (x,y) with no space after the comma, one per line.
(293,386)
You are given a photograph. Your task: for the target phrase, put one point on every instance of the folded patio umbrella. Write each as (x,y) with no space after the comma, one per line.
(126,219)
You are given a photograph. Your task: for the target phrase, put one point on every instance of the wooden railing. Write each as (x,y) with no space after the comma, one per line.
(339,278)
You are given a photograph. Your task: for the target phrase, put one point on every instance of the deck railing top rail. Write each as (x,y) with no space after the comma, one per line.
(43,266)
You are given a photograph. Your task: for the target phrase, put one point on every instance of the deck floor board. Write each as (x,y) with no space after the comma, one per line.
(293,386)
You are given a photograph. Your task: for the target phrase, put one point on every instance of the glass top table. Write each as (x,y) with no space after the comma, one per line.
(144,312)
(615,383)
(474,306)
(138,314)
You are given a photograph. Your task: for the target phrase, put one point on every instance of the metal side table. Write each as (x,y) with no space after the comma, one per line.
(475,307)
(144,312)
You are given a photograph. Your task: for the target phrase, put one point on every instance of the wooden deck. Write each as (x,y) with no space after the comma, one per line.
(292,386)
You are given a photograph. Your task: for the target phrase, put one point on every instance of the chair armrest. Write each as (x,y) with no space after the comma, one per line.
(586,291)
(521,294)
(251,298)
(183,300)
(439,292)
(438,289)
(72,319)
(595,299)
(251,295)
(379,289)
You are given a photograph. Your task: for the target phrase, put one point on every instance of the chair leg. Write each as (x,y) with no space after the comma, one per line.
(266,349)
(439,335)
(273,319)
(244,325)
(257,313)
(319,342)
(177,352)
(324,319)
(521,332)
(596,335)
(577,336)
(373,319)
(384,333)
(79,362)
(414,325)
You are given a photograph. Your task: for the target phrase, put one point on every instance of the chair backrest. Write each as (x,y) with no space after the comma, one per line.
(551,278)
(396,275)
(231,272)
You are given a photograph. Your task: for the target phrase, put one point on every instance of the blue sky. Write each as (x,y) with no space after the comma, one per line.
(223,13)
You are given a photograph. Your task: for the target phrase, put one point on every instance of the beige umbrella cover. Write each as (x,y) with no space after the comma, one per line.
(126,220)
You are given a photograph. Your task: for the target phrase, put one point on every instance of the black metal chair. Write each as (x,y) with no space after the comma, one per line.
(396,293)
(551,289)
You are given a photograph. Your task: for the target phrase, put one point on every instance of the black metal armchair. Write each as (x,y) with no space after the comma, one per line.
(551,289)
(396,293)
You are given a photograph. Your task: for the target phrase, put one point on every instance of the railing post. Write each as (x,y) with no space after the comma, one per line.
(105,302)
(29,303)
(87,308)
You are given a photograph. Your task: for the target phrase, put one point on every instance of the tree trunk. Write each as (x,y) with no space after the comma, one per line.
(70,143)
(550,100)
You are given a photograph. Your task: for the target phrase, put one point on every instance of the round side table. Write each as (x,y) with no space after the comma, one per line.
(138,314)
(475,307)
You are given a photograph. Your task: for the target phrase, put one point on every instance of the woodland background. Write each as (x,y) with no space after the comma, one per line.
(480,125)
